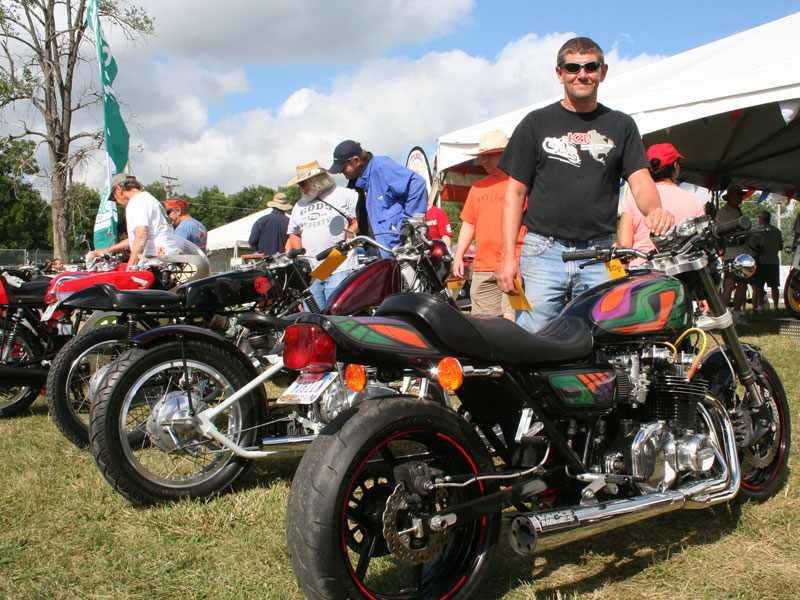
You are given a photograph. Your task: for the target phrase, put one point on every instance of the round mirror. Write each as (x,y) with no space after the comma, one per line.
(337,225)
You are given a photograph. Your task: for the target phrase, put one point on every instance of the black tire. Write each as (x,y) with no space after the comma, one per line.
(344,485)
(15,398)
(144,464)
(69,378)
(765,464)
(791,297)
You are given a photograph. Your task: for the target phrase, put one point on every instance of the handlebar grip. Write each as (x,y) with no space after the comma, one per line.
(324,254)
(741,224)
(295,252)
(571,255)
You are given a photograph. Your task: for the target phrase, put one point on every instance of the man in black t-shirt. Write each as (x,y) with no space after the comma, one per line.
(570,157)
(270,233)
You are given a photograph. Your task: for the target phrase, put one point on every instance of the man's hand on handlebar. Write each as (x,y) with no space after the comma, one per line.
(659,221)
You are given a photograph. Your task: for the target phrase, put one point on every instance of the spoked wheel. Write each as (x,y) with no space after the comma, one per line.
(791,292)
(75,374)
(764,462)
(143,435)
(16,398)
(355,531)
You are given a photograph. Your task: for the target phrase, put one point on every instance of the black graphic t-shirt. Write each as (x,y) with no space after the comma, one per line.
(573,163)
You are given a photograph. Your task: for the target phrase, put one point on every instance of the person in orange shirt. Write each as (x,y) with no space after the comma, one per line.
(481,221)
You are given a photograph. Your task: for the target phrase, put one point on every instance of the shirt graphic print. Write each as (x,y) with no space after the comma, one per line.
(567,148)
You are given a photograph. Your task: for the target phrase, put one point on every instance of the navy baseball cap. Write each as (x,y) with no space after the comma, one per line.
(343,153)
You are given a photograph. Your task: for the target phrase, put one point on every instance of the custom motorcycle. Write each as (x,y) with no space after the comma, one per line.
(618,410)
(184,412)
(791,287)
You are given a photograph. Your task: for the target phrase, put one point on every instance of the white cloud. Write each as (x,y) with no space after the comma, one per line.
(388,104)
(280,31)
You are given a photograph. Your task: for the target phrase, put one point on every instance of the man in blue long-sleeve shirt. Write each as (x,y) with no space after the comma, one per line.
(393,193)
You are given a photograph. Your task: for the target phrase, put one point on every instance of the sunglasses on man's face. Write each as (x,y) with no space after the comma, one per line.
(589,67)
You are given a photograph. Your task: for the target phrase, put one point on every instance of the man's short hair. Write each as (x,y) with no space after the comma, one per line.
(579,45)
(130,183)
(765,214)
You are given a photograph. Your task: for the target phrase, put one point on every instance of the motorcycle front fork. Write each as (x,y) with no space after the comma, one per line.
(724,321)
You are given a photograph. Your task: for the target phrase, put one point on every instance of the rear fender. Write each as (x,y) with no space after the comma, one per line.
(160,335)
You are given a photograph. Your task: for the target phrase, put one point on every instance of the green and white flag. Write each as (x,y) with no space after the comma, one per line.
(116,134)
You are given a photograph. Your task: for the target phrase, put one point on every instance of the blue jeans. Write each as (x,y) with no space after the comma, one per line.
(549,281)
(322,290)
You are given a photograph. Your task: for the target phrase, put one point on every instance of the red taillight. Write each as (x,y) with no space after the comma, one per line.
(308,347)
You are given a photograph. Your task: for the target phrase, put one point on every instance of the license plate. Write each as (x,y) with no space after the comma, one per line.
(48,314)
(307,388)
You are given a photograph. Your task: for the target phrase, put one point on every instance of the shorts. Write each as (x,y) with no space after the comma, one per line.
(487,299)
(766,274)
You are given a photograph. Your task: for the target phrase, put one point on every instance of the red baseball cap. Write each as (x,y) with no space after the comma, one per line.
(665,153)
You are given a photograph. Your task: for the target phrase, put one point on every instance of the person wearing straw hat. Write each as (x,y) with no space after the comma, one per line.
(481,222)
(271,232)
(322,202)
(568,159)
(185,225)
(394,193)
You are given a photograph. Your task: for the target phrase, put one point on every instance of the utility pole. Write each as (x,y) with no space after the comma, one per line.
(168,184)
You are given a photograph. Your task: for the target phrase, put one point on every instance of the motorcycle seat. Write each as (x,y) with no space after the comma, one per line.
(492,339)
(30,292)
(141,300)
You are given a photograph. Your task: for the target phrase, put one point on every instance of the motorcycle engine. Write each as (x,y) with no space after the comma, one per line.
(663,441)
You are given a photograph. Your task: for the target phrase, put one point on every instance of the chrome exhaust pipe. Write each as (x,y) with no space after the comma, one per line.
(533,532)
(289,443)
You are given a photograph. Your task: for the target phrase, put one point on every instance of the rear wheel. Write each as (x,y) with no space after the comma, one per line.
(74,374)
(349,521)
(145,439)
(16,398)
(791,292)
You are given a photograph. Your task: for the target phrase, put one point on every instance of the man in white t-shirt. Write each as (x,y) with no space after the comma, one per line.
(309,224)
(146,222)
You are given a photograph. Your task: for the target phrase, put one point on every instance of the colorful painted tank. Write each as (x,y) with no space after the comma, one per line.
(633,306)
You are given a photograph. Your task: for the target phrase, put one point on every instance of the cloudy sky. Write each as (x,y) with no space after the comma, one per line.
(237,93)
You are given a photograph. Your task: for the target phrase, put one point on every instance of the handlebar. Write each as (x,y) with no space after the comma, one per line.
(587,254)
(719,230)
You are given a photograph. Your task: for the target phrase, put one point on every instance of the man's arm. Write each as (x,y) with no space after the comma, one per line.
(465,237)
(625,233)
(516,192)
(139,239)
(647,199)
(295,241)
(417,199)
(118,247)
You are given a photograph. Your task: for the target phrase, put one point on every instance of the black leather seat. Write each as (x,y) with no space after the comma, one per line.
(257,321)
(137,300)
(29,292)
(492,339)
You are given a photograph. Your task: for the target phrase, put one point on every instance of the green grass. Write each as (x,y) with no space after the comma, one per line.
(65,534)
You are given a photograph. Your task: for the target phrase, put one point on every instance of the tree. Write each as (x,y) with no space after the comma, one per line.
(82,211)
(41,44)
(23,214)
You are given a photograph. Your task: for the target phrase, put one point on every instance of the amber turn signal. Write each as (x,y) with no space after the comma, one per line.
(449,373)
(356,377)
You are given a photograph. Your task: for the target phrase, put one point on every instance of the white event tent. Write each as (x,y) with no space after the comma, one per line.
(730,108)
(234,235)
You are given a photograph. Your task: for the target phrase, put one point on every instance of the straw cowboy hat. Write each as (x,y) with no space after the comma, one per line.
(491,141)
(307,171)
(280,202)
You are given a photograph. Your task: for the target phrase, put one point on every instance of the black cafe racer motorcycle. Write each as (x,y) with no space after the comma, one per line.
(619,410)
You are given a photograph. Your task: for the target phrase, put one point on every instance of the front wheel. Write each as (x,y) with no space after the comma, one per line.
(791,292)
(72,378)
(764,463)
(349,519)
(143,434)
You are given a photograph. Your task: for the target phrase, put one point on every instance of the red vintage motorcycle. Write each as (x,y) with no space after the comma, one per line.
(184,412)
(35,326)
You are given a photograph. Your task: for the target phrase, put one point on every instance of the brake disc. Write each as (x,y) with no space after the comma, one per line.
(405,544)
(761,454)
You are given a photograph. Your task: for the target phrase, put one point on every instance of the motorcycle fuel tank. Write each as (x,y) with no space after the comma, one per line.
(228,289)
(633,306)
(365,287)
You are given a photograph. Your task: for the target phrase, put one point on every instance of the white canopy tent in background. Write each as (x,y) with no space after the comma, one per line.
(234,235)
(730,108)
